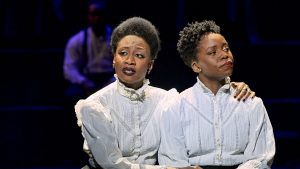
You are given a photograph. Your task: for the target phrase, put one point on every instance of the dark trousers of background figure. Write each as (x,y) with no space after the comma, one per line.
(73,93)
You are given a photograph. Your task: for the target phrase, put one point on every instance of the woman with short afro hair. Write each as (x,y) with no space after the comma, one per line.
(138,27)
(205,126)
(120,123)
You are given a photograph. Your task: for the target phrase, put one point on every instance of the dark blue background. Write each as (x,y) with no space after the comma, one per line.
(38,131)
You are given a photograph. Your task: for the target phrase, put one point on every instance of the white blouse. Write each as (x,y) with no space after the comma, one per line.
(121,125)
(216,130)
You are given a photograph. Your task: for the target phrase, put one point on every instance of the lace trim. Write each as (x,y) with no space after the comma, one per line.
(133,95)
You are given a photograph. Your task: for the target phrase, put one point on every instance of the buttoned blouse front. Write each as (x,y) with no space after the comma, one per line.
(206,129)
(121,125)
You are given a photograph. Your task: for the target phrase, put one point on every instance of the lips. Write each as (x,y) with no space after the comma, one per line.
(227,64)
(128,71)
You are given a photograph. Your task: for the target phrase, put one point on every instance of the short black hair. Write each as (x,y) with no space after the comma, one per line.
(139,27)
(190,36)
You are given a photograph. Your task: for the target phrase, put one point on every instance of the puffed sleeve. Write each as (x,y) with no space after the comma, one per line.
(98,131)
(261,146)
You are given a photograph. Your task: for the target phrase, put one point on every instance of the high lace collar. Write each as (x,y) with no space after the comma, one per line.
(132,94)
(224,88)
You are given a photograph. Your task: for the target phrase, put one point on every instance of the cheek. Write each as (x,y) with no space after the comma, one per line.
(117,64)
(203,64)
(117,59)
(209,65)
(143,67)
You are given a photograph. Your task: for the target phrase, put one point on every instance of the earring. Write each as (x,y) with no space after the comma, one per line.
(113,65)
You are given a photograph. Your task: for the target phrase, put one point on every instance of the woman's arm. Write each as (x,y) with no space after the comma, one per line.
(98,131)
(260,150)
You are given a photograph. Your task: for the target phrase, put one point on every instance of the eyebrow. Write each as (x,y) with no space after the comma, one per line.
(211,47)
(138,47)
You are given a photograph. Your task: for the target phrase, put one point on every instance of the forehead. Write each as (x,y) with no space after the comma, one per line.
(132,40)
(212,38)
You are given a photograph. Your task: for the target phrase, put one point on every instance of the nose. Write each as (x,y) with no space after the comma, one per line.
(130,60)
(224,54)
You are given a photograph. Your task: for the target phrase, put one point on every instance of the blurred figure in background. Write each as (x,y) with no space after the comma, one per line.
(87,64)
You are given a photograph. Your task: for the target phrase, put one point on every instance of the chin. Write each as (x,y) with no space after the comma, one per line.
(229,72)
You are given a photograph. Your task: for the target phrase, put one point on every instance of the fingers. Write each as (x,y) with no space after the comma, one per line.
(234,85)
(238,85)
(198,167)
(252,95)
(249,94)
(241,90)
(245,94)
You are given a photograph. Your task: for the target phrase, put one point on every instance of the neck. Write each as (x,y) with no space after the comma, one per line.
(134,86)
(212,84)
